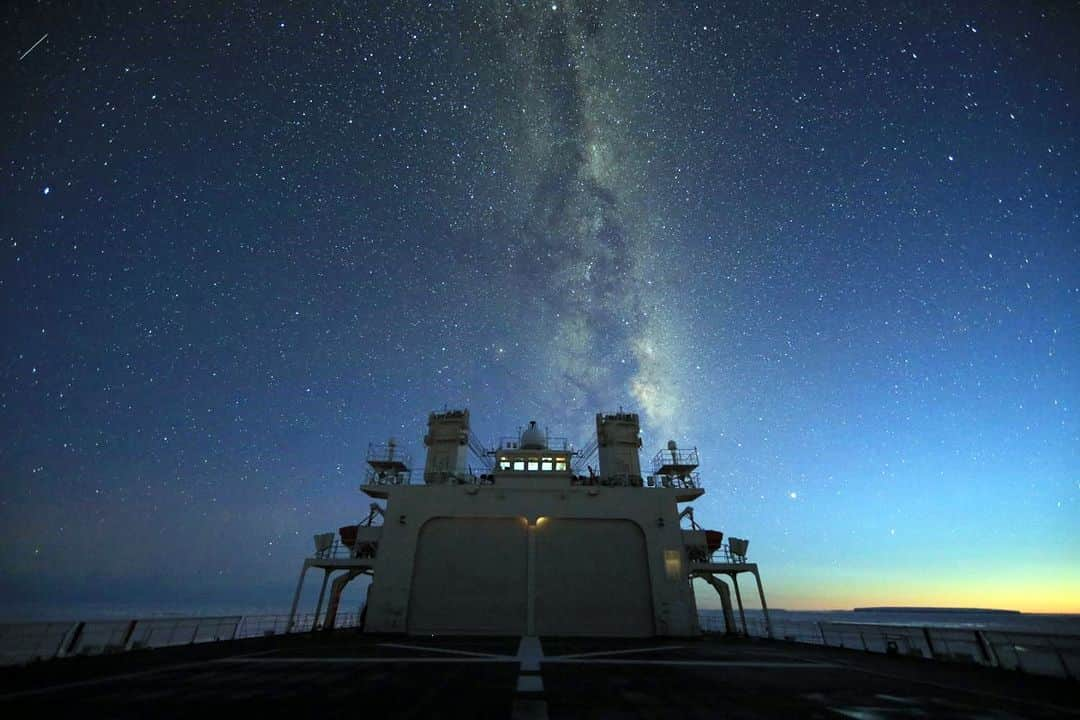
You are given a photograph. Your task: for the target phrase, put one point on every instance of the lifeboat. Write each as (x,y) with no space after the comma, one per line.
(348,535)
(713,540)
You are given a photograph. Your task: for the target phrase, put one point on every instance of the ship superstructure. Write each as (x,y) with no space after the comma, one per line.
(536,542)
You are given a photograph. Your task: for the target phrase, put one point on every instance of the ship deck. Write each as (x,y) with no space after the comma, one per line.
(344,673)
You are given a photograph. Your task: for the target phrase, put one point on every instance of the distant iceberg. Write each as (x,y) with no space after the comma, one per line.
(935,610)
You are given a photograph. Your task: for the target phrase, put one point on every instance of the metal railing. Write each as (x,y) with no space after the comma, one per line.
(384,477)
(698,551)
(552,443)
(1027,652)
(339,550)
(447,477)
(691,480)
(624,480)
(387,452)
(267,625)
(723,554)
(22,643)
(673,458)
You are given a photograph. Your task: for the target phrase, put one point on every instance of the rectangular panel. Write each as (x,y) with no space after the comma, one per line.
(470,577)
(592,579)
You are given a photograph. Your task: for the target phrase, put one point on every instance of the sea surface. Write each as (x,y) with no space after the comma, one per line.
(1022,622)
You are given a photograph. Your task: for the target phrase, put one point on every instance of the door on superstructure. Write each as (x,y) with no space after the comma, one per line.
(470,577)
(592,578)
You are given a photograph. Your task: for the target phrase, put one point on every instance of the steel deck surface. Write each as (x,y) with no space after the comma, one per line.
(343,673)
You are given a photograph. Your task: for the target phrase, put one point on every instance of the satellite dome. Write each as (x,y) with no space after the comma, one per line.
(533,438)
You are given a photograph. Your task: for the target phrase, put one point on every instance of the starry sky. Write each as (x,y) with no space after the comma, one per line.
(832,245)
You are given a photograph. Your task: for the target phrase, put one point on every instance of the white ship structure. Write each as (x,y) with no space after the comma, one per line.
(535,543)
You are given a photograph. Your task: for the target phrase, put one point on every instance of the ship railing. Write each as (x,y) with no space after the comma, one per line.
(382,477)
(269,625)
(608,480)
(338,550)
(724,554)
(1035,653)
(458,478)
(678,457)
(553,443)
(387,453)
(27,642)
(690,480)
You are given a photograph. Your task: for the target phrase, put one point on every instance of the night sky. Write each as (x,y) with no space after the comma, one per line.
(837,248)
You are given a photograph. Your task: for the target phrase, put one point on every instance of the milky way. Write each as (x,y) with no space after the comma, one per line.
(590,260)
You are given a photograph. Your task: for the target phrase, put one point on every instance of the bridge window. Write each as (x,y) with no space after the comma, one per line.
(535,464)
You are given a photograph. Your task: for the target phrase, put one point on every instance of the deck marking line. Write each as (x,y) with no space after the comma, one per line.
(698,663)
(897,699)
(128,676)
(347,660)
(446,651)
(620,652)
(530,653)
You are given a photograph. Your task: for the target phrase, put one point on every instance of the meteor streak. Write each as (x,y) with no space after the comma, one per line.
(33,46)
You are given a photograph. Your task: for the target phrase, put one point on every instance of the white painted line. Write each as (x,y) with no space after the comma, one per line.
(445,651)
(620,652)
(698,663)
(530,653)
(359,660)
(127,676)
(864,712)
(898,699)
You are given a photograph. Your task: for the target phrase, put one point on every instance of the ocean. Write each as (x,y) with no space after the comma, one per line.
(1053,624)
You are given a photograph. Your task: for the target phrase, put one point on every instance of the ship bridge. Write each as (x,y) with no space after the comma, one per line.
(530,458)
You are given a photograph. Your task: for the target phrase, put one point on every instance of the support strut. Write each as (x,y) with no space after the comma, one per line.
(296,599)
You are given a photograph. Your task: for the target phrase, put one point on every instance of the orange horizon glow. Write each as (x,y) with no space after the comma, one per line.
(1059,596)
